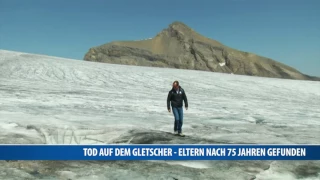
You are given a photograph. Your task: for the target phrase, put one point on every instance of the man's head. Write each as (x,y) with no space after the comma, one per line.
(175,85)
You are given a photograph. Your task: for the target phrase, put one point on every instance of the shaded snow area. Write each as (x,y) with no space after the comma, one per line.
(49,100)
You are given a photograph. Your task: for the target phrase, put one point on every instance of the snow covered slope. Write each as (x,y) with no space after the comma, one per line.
(50,100)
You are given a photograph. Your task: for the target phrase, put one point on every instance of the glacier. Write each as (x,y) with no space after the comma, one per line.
(52,100)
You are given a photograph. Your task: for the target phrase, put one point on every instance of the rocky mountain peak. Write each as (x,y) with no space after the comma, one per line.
(176,29)
(178,46)
(180,26)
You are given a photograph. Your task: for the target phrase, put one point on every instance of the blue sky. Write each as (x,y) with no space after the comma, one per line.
(285,30)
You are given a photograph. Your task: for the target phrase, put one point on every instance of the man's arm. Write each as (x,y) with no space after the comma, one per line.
(168,101)
(185,99)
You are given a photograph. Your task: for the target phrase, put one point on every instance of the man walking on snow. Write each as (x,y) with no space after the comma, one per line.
(176,96)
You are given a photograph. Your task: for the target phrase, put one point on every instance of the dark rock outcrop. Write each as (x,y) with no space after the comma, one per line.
(179,46)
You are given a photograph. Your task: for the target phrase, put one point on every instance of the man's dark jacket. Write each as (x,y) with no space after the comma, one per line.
(177,98)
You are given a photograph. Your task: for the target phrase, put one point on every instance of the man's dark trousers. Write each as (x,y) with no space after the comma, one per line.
(178,118)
